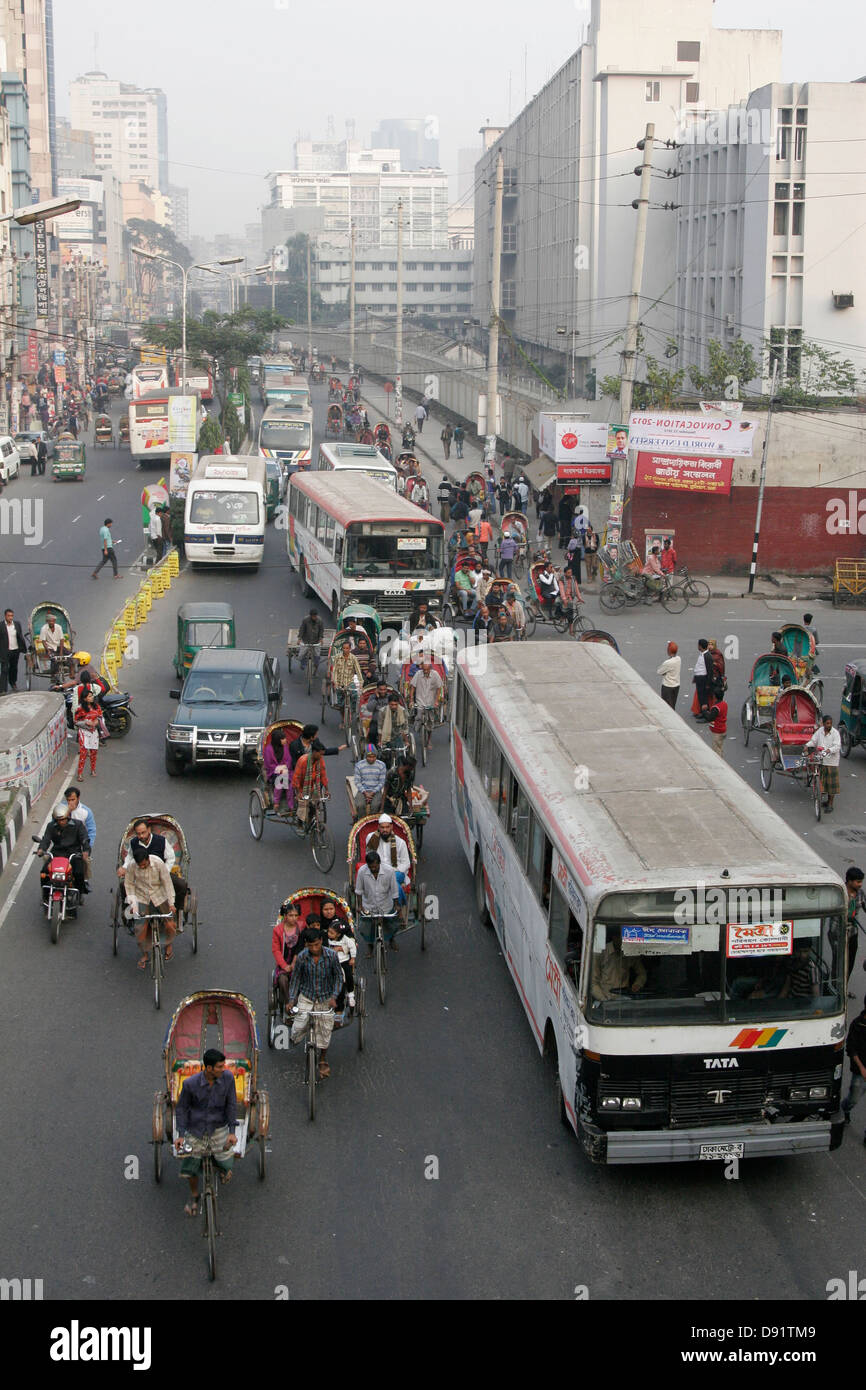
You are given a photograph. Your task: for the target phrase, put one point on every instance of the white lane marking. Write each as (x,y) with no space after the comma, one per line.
(47,543)
(99,499)
(119,481)
(74,519)
(19,878)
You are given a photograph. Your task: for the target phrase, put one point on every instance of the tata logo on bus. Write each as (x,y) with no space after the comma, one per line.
(721,1063)
(554,979)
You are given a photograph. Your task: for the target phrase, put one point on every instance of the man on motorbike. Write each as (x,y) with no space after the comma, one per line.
(68,839)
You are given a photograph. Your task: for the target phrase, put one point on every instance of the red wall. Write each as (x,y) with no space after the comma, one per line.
(801,528)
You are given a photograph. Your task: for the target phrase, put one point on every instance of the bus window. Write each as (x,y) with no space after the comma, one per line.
(458,708)
(321,525)
(540,862)
(485,756)
(496,776)
(471,734)
(505,780)
(330,528)
(338,547)
(565,936)
(519,829)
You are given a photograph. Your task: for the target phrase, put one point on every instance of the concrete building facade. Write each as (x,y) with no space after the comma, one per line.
(416,137)
(129,127)
(366,193)
(436,283)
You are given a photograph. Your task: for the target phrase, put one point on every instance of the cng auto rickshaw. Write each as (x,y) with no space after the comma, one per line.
(70,460)
(852,716)
(201,625)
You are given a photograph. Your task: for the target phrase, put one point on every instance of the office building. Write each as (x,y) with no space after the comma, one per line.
(129,127)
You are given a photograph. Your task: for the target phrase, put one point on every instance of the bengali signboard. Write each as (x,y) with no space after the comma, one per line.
(32,352)
(689,435)
(668,471)
(41,254)
(583,473)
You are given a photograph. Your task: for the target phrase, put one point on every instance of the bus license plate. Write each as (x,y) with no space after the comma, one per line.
(721,1151)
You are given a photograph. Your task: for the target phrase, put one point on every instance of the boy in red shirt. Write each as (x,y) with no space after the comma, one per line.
(668,558)
(718,715)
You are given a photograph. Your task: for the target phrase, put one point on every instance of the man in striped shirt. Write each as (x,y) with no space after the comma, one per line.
(316,981)
(370,774)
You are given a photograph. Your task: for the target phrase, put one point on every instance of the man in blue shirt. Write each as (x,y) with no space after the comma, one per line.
(108,555)
(316,981)
(78,811)
(206,1109)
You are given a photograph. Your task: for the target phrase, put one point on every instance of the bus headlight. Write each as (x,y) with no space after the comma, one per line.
(631,1102)
(819,1092)
(611,1103)
(798,1093)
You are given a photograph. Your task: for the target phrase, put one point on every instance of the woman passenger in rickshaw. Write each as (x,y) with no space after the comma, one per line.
(398,787)
(278,770)
(285,944)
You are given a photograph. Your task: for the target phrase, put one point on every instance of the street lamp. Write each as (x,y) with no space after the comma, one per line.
(185,272)
(42,212)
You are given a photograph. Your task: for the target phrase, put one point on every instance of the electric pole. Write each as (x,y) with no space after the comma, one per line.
(619,472)
(352,301)
(754,566)
(492,421)
(309,304)
(398,375)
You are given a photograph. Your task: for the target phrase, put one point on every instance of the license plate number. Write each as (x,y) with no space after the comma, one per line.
(719,1151)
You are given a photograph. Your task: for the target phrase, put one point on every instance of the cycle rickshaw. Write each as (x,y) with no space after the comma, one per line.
(439,715)
(768,672)
(800,646)
(852,715)
(39,661)
(359,736)
(382,438)
(169,827)
(374,930)
(294,651)
(335,424)
(313,824)
(103,431)
(417,492)
(309,901)
(516,523)
(796,716)
(596,634)
(566,616)
(225,1020)
(476,486)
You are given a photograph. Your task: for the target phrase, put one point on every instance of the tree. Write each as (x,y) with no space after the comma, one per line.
(661,385)
(812,375)
(729,373)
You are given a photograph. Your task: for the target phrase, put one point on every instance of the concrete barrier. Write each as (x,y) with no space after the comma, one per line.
(16,814)
(33,742)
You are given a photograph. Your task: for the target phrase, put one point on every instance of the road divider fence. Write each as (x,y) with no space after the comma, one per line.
(118,641)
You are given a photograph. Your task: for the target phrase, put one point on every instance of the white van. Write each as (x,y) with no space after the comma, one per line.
(225,513)
(10,459)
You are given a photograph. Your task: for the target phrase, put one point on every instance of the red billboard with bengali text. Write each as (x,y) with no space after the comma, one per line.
(583,472)
(669,471)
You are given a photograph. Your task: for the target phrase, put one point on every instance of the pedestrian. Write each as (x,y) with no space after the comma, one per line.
(828,742)
(446,436)
(90,724)
(485,536)
(165,518)
(699,679)
(154,531)
(718,716)
(668,557)
(503,493)
(108,555)
(459,436)
(507,551)
(565,516)
(574,555)
(521,492)
(856,900)
(808,625)
(420,417)
(460,514)
(590,551)
(670,673)
(856,1049)
(717,680)
(12,644)
(443,497)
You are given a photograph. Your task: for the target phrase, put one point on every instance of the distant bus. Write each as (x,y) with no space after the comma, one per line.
(152,437)
(199,379)
(277,371)
(358,458)
(147,377)
(352,539)
(286,433)
(296,393)
(224,516)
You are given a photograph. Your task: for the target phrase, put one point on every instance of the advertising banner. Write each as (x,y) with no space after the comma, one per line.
(667,471)
(583,472)
(41,254)
(182,423)
(566,440)
(688,435)
(617,442)
(32,352)
(760,939)
(181,472)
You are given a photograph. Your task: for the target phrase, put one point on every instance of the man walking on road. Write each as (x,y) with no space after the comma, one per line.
(459,436)
(108,555)
(443,497)
(446,436)
(420,417)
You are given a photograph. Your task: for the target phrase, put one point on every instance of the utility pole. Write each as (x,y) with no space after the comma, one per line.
(492,423)
(352,301)
(398,375)
(309,304)
(619,472)
(754,566)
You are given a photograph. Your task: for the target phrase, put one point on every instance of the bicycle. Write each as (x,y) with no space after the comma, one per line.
(157,962)
(311,655)
(425,718)
(312,1054)
(634,590)
(208,1194)
(811,766)
(380,956)
(315,824)
(695,590)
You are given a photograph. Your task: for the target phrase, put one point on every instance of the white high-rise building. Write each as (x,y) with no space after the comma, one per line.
(129,127)
(569,224)
(365,191)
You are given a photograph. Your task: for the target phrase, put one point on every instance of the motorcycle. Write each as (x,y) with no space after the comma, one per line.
(116,708)
(408,437)
(60,896)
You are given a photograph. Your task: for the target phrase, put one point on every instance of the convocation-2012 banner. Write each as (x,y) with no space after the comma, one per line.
(684,474)
(687,435)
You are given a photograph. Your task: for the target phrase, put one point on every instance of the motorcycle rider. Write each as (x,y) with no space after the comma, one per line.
(69,839)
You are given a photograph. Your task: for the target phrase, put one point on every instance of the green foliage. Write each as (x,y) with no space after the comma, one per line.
(150,236)
(233,427)
(729,373)
(663,384)
(210,437)
(815,376)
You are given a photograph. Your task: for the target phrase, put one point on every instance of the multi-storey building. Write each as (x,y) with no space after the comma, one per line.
(437,283)
(417,139)
(129,127)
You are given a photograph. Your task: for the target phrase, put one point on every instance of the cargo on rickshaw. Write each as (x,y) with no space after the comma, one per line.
(103,430)
(281,796)
(765,681)
(852,716)
(335,420)
(70,460)
(380,930)
(163,827)
(351,1002)
(123,430)
(226,1021)
(796,716)
(48,654)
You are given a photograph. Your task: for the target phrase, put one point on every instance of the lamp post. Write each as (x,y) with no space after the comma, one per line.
(185,273)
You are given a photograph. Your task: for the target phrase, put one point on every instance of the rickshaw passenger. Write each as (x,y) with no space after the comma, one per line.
(548,586)
(393,850)
(342,942)
(398,787)
(278,770)
(375,706)
(285,940)
(370,774)
(53,640)
(652,571)
(393,725)
(307,739)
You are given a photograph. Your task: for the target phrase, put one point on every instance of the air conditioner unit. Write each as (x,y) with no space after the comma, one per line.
(843,301)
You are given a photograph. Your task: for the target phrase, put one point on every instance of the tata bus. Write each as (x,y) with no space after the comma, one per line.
(352,539)
(163,422)
(357,458)
(225,511)
(286,434)
(679,951)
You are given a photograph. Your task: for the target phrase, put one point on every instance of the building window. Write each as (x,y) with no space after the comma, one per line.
(798,209)
(780,210)
(411,265)
(795,353)
(428,266)
(377,265)
(509,239)
(411,287)
(446,265)
(800,136)
(392,265)
(654,91)
(392,288)
(783,132)
(693,91)
(445,289)
(509,294)
(688,52)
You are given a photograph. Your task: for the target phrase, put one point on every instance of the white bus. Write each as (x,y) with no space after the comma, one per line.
(224,519)
(198,379)
(147,377)
(286,433)
(162,423)
(350,538)
(679,951)
(358,458)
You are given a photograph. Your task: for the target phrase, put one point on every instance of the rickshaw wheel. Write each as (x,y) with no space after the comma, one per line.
(817,689)
(257,814)
(191,915)
(324,849)
(158,1134)
(845,736)
(529,629)
(766,767)
(447,615)
(421,900)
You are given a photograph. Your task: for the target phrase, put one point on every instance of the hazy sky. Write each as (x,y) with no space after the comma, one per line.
(244,77)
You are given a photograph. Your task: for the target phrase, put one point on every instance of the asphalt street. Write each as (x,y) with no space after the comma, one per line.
(450,1072)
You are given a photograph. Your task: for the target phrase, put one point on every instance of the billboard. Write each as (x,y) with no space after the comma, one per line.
(41,254)
(567,440)
(583,472)
(669,471)
(182,423)
(687,435)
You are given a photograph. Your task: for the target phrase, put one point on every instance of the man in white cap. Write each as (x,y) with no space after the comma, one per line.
(394,854)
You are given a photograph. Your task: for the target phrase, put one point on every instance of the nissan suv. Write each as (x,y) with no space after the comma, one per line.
(227,699)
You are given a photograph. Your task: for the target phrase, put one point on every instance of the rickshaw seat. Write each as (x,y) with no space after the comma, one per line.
(791,733)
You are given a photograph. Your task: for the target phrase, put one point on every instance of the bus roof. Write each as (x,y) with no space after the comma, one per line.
(350,495)
(287,410)
(240,468)
(661,808)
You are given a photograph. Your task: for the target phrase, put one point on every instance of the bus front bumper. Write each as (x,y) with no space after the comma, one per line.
(720,1142)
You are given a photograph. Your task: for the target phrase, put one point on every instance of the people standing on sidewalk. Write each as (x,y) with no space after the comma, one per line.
(668,557)
(12,644)
(459,436)
(90,725)
(420,417)
(108,555)
(590,551)
(718,716)
(154,531)
(670,673)
(573,557)
(490,490)
(446,436)
(443,497)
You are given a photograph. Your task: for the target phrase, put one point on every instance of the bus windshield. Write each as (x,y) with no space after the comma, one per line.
(668,973)
(391,554)
(286,434)
(217,508)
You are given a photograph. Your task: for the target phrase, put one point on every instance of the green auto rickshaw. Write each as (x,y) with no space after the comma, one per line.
(70,460)
(852,716)
(202,625)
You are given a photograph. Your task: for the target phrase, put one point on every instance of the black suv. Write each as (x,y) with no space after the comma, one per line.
(227,699)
